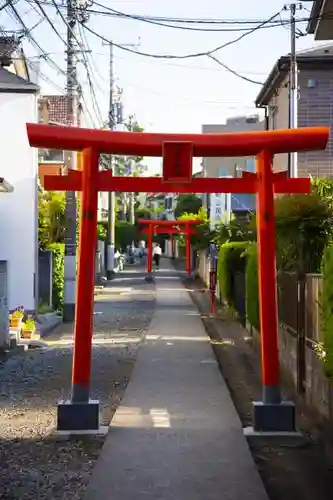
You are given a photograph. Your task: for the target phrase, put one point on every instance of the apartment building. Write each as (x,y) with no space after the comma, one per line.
(315,106)
(221,205)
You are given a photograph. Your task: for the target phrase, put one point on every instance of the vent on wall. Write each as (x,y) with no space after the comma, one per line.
(312,83)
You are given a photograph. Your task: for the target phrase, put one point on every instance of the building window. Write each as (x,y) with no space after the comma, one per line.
(222,172)
(250,165)
(54,155)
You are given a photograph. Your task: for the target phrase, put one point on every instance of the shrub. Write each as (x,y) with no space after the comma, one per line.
(231,259)
(326,310)
(252,286)
(303,230)
(58,253)
(125,233)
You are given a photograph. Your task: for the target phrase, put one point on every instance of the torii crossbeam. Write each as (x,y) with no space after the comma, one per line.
(177,151)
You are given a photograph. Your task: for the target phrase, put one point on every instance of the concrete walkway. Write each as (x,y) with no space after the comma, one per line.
(176,435)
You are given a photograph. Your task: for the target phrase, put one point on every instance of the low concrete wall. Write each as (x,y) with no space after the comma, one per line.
(318,388)
(47,322)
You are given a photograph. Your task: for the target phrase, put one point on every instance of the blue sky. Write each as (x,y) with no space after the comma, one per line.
(177,95)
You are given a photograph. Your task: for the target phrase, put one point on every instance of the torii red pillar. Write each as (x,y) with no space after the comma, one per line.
(178,150)
(86,282)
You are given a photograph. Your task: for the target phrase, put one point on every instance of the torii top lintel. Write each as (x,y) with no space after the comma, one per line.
(170,223)
(151,144)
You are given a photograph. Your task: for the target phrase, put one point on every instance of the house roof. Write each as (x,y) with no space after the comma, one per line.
(315,58)
(9,82)
(314,16)
(243,203)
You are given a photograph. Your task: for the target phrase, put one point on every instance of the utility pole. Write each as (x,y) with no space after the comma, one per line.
(293,85)
(132,202)
(111,232)
(71,161)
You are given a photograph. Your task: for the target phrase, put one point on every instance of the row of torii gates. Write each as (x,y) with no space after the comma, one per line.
(271,414)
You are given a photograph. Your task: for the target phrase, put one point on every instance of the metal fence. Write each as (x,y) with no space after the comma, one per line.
(300,310)
(287,300)
(314,283)
(298,306)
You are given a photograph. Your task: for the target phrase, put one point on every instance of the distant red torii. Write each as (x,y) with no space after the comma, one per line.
(172,227)
(178,151)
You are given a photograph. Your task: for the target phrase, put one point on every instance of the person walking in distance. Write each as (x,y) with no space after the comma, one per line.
(157,252)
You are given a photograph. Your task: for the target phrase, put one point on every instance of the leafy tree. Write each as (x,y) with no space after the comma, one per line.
(144,213)
(187,204)
(204,236)
(324,189)
(234,231)
(51,218)
(125,234)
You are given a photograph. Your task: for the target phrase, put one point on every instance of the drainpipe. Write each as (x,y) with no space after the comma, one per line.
(265,108)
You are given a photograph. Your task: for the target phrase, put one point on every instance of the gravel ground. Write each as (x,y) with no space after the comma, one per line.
(34,465)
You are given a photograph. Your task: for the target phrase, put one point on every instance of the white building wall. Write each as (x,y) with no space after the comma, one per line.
(19,209)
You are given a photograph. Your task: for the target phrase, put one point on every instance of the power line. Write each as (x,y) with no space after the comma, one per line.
(232,71)
(85,63)
(46,17)
(185,56)
(45,55)
(148,19)
(27,33)
(204,21)
(88,68)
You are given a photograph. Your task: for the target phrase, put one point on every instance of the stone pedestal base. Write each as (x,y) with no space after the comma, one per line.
(78,416)
(150,278)
(274,417)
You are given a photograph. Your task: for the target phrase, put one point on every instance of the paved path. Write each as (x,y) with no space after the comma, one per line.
(176,434)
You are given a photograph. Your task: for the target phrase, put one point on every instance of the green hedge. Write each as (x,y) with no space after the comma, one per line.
(326,310)
(58,251)
(230,259)
(252,287)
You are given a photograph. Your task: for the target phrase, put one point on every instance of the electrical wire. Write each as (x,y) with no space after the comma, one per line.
(89,70)
(46,17)
(95,71)
(7,2)
(85,63)
(44,13)
(44,54)
(147,19)
(204,21)
(28,34)
(185,56)
(227,68)
(31,66)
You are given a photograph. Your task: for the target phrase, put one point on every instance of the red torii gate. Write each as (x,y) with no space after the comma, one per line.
(171,227)
(272,414)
